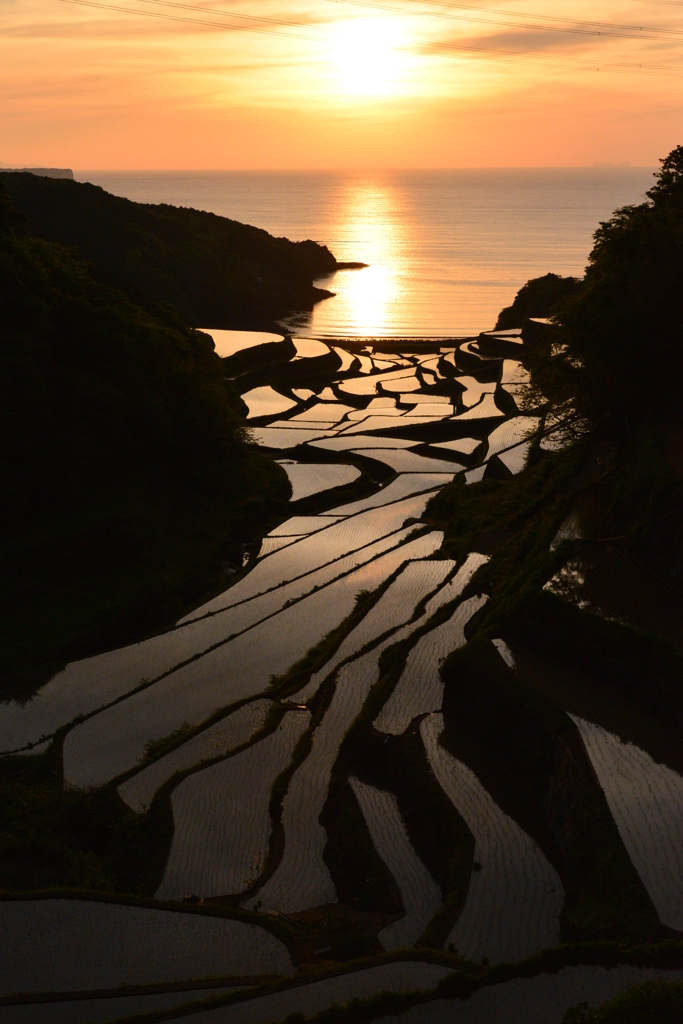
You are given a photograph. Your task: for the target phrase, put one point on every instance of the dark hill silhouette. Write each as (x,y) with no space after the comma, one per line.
(214,271)
(124,478)
(539,297)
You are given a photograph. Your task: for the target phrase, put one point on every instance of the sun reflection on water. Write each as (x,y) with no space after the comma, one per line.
(371,227)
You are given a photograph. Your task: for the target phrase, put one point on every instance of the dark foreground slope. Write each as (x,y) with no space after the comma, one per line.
(592,611)
(124,476)
(215,272)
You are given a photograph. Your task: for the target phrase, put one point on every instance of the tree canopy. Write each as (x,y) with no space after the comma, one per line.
(214,271)
(624,331)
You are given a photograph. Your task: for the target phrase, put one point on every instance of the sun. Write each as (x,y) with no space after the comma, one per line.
(369,57)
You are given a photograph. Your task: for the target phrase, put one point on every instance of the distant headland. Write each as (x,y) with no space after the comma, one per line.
(43,172)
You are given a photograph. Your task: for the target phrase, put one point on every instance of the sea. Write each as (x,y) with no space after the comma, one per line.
(446,250)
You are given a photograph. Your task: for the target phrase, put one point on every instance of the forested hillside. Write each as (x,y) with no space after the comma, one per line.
(215,272)
(124,473)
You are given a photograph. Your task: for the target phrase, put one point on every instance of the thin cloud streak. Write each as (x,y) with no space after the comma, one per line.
(146,84)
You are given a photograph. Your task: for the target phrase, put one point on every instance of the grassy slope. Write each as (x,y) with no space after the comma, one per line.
(215,272)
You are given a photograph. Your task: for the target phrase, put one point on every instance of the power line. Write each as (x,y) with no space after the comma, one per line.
(224,14)
(465,51)
(196,21)
(643,34)
(570,22)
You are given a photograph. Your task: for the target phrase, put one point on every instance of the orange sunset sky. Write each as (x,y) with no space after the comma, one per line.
(339,84)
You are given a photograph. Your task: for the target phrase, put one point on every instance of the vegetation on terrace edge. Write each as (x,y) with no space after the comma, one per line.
(213,271)
(127,487)
(465,979)
(651,1002)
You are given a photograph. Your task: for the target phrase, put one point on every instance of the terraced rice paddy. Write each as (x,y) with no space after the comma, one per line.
(463,444)
(216,741)
(422,399)
(309,999)
(228,342)
(396,606)
(473,476)
(474,390)
(85,686)
(307,479)
(322,412)
(111,944)
(114,741)
(222,824)
(408,462)
(646,800)
(402,385)
(297,526)
(335,541)
(270,544)
(420,895)
(347,359)
(514,900)
(505,652)
(420,689)
(512,432)
(515,458)
(377,407)
(368,385)
(100,1011)
(401,487)
(381,420)
(266,401)
(218,784)
(442,409)
(329,426)
(343,442)
(514,372)
(486,409)
(274,598)
(309,348)
(302,879)
(286,437)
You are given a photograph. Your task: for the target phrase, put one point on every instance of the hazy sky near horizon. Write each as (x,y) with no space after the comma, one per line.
(339,83)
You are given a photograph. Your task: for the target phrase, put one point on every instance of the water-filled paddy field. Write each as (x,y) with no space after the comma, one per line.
(294,733)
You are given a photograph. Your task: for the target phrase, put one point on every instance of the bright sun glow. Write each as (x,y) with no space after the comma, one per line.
(369,57)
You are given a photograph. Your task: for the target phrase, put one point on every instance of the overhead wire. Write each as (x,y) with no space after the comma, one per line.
(570,22)
(197,21)
(466,51)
